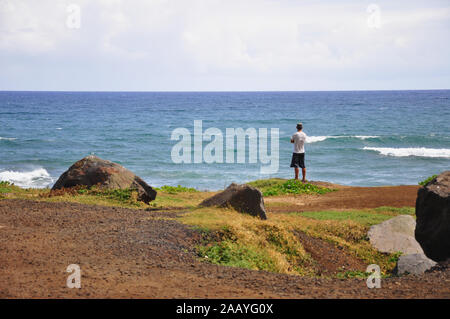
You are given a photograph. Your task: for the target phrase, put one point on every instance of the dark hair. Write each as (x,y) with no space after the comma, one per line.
(299,126)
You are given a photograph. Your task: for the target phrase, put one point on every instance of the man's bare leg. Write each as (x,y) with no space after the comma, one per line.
(304,175)
(297,170)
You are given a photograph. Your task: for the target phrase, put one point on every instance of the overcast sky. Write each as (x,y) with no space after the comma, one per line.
(242,45)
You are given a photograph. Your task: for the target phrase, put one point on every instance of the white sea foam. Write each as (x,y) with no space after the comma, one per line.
(314,139)
(36,178)
(8,138)
(419,151)
(365,137)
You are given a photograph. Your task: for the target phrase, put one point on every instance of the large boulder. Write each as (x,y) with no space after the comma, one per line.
(414,264)
(92,170)
(244,198)
(433,217)
(395,235)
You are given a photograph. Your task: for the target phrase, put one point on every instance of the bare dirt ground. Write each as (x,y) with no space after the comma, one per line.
(139,254)
(329,259)
(346,198)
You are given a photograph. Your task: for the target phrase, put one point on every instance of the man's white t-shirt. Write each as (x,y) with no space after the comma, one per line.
(299,142)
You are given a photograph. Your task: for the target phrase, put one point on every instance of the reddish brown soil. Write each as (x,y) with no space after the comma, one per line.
(134,254)
(346,198)
(329,259)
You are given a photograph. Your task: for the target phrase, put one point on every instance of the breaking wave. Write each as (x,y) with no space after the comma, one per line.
(38,178)
(419,151)
(314,139)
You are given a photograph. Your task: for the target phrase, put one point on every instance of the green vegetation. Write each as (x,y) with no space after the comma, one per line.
(168,196)
(5,187)
(245,241)
(230,253)
(176,189)
(395,210)
(95,195)
(10,189)
(271,245)
(274,187)
(120,195)
(395,256)
(264,184)
(426,181)
(353,274)
(366,217)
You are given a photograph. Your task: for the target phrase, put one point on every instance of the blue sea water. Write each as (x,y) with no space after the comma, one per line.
(355,138)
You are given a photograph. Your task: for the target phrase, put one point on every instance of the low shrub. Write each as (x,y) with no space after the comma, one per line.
(294,186)
(426,181)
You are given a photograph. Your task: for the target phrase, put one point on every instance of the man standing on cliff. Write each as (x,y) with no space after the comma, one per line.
(298,157)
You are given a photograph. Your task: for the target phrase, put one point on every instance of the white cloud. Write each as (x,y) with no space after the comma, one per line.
(214,44)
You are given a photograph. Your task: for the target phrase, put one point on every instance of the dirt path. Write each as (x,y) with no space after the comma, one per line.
(135,254)
(329,259)
(346,198)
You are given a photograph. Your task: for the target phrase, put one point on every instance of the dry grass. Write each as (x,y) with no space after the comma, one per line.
(347,234)
(274,240)
(164,200)
(186,200)
(270,244)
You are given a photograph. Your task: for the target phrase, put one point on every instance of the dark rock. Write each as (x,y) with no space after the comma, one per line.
(92,170)
(415,264)
(433,217)
(244,198)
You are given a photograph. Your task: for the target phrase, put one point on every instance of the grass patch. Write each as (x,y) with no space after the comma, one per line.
(264,184)
(5,187)
(95,195)
(362,217)
(396,210)
(229,253)
(349,235)
(427,180)
(175,189)
(270,245)
(13,191)
(188,200)
(275,187)
(366,217)
(168,196)
(248,242)
(348,230)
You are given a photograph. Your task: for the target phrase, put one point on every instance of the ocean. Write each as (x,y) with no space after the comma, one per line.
(364,138)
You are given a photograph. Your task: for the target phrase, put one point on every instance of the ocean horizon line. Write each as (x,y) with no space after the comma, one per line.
(224,91)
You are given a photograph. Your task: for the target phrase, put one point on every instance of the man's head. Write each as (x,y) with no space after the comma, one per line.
(299,126)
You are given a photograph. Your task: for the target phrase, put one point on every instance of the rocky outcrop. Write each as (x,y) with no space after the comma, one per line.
(414,264)
(92,170)
(395,235)
(244,198)
(433,217)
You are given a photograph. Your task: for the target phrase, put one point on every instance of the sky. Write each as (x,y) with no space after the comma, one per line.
(232,45)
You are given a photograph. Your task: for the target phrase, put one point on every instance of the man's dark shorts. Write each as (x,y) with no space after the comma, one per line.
(298,160)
